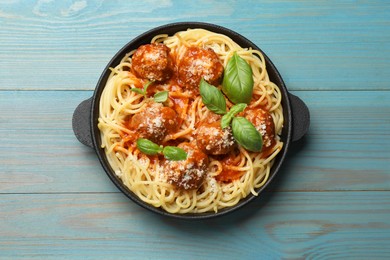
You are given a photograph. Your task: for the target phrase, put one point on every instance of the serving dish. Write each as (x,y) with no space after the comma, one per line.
(85,117)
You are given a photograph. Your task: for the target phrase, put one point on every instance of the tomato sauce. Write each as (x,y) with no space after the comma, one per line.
(180,105)
(228,175)
(129,138)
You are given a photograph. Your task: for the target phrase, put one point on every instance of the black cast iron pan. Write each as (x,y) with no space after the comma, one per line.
(85,117)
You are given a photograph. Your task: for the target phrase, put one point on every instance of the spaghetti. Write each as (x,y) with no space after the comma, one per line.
(229,176)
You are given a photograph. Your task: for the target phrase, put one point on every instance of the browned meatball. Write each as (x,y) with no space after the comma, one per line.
(154,122)
(263,122)
(212,139)
(198,63)
(189,173)
(153,62)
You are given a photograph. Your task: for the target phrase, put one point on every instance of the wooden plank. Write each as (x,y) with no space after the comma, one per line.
(39,151)
(291,225)
(347,147)
(348,144)
(320,45)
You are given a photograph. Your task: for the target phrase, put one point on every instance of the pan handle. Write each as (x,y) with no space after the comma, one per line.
(300,117)
(81,122)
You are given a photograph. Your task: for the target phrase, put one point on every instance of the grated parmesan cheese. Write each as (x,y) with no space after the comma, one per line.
(118,173)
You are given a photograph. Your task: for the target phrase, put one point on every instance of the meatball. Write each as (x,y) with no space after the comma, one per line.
(189,173)
(154,122)
(263,122)
(198,63)
(212,139)
(153,62)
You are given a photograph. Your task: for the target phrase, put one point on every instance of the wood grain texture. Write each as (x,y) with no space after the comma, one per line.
(331,199)
(316,45)
(107,226)
(347,147)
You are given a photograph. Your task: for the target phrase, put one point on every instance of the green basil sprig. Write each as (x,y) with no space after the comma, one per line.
(234,110)
(148,147)
(161,97)
(212,98)
(174,153)
(237,85)
(237,81)
(170,152)
(246,134)
(142,91)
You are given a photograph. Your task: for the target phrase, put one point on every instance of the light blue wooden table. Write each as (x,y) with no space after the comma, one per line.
(330,201)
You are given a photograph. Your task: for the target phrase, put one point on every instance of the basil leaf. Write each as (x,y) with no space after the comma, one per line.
(212,98)
(170,152)
(174,153)
(237,108)
(142,91)
(226,119)
(147,84)
(148,147)
(137,90)
(161,97)
(246,134)
(237,81)
(234,110)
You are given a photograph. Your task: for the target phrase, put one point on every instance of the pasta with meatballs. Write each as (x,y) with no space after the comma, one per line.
(219,167)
